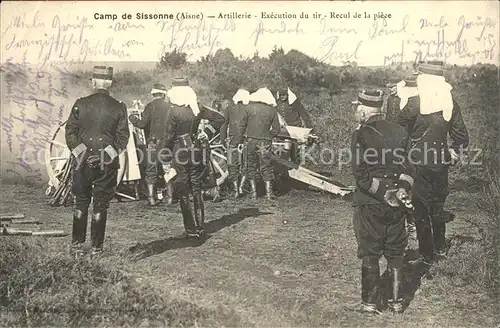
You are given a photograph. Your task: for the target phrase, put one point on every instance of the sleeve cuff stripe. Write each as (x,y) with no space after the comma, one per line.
(374,186)
(407,178)
(111,151)
(79,149)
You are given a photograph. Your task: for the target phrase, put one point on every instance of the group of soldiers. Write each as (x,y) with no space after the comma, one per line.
(419,116)
(406,176)
(97,132)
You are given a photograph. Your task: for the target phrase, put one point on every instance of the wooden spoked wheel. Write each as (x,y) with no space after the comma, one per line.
(57,155)
(218,160)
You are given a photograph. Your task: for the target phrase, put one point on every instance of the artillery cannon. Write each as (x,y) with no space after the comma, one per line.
(59,161)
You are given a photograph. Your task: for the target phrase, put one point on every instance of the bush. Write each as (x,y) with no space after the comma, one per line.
(172,60)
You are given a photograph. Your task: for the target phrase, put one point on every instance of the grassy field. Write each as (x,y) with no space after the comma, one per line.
(290,262)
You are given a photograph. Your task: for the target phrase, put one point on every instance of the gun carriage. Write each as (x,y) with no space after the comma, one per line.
(59,162)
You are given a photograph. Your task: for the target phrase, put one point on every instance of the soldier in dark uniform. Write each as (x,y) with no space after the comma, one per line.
(233,115)
(432,116)
(153,123)
(183,145)
(294,114)
(259,124)
(400,92)
(383,180)
(96,133)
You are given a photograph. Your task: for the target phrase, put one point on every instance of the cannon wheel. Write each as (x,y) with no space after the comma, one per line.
(57,154)
(218,159)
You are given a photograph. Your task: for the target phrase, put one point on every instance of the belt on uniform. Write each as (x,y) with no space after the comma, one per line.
(259,138)
(388,180)
(185,141)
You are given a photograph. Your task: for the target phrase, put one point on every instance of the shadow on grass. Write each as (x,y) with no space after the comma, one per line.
(142,251)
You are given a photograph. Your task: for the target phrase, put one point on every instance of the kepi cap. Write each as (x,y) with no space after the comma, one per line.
(180,82)
(411,82)
(158,88)
(434,67)
(370,98)
(102,72)
(392,82)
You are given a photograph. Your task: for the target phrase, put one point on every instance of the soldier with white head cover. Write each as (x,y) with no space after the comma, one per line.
(182,140)
(432,116)
(260,124)
(229,134)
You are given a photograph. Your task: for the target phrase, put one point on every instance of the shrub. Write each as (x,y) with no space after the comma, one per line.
(172,60)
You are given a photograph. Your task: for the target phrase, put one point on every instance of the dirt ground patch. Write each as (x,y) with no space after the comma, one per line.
(289,262)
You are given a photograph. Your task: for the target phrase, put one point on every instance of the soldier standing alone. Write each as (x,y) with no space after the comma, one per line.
(96,132)
(383,181)
(260,124)
(183,143)
(153,121)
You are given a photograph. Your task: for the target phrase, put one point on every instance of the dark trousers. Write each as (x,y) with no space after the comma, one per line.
(189,180)
(190,173)
(259,154)
(233,160)
(380,231)
(153,164)
(103,190)
(430,191)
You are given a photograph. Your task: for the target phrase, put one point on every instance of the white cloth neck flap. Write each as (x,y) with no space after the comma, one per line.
(435,95)
(184,96)
(291,97)
(242,95)
(404,93)
(263,95)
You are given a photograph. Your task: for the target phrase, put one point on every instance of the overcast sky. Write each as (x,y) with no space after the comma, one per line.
(459,32)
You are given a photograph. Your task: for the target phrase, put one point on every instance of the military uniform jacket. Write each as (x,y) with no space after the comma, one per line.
(260,121)
(98,125)
(379,160)
(429,134)
(393,102)
(153,119)
(233,115)
(293,113)
(181,124)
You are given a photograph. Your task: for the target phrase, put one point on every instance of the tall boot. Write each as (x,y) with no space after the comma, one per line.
(269,190)
(187,215)
(253,185)
(370,288)
(396,301)
(236,189)
(151,195)
(425,242)
(169,191)
(242,184)
(199,214)
(438,234)
(98,231)
(80,220)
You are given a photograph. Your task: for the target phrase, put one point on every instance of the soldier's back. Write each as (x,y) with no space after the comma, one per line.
(158,114)
(260,119)
(98,115)
(183,117)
